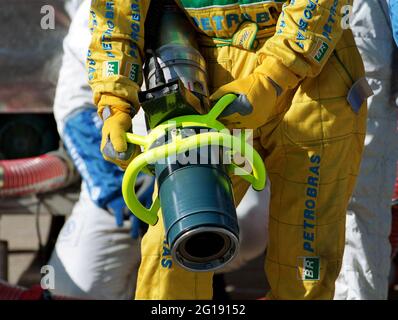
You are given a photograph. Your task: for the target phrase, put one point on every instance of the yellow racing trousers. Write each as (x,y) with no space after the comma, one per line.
(312,147)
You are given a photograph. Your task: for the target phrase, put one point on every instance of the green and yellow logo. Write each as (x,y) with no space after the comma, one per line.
(309,268)
(111,68)
(133,71)
(320,53)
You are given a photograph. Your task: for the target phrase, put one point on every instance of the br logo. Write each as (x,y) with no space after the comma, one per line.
(111,68)
(309,268)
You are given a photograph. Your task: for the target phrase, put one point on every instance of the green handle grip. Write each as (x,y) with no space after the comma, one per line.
(257,178)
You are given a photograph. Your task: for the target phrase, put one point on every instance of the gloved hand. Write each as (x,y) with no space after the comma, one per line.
(144,189)
(116,114)
(119,210)
(257,95)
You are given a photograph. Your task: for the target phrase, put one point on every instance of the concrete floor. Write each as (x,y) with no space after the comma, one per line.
(18,226)
(20,232)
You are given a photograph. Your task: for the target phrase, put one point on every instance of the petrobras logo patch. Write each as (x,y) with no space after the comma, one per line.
(309,268)
(111,68)
(320,51)
(133,71)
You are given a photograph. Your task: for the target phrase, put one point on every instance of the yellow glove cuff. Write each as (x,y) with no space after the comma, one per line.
(114,103)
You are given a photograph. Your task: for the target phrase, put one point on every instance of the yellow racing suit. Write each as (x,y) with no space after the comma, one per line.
(311,138)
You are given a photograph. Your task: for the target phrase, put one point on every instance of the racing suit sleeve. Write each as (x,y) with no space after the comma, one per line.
(81,136)
(307,33)
(115,54)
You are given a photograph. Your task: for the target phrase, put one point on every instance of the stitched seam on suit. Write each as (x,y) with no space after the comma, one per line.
(320,100)
(300,225)
(322,147)
(304,183)
(295,267)
(345,48)
(325,141)
(280,201)
(344,68)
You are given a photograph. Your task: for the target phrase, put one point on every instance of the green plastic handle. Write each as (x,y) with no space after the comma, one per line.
(257,178)
(150,215)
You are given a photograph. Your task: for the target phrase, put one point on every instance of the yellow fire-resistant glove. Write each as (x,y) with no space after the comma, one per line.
(257,95)
(116,114)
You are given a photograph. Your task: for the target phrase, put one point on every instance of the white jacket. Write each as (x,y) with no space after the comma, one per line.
(366,263)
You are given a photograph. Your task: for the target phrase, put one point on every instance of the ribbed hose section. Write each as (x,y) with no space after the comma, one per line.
(27,176)
(7,292)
